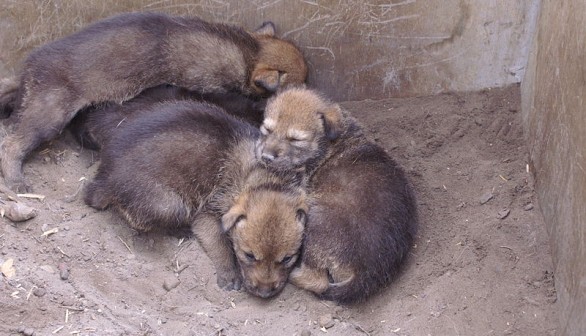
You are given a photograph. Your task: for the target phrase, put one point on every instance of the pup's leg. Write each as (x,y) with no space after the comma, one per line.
(97,195)
(208,230)
(43,118)
(311,279)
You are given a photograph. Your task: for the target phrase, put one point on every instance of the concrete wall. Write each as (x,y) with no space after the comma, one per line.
(356,49)
(554,107)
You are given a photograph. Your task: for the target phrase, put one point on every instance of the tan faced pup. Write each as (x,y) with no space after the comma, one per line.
(190,164)
(116,58)
(265,239)
(362,217)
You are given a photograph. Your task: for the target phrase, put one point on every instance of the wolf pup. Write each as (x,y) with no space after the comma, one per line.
(116,58)
(191,164)
(362,217)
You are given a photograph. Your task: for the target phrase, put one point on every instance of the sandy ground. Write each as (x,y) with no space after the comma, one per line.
(481,264)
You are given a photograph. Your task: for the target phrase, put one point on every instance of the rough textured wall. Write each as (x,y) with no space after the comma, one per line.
(554,93)
(356,49)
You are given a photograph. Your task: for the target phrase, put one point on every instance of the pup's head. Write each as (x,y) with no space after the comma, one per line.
(280,63)
(266,227)
(298,126)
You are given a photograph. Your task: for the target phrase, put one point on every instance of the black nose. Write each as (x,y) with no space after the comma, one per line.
(268,290)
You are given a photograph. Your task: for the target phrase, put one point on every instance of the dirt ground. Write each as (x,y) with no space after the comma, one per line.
(481,264)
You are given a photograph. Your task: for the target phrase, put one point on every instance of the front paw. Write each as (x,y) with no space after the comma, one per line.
(229,280)
(17,185)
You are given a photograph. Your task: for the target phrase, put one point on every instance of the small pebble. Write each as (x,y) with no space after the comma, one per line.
(503,214)
(40,292)
(486,197)
(170,283)
(326,321)
(528,207)
(28,332)
(68,302)
(305,333)
(63,271)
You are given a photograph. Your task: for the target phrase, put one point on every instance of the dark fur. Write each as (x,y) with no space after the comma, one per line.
(10,92)
(362,218)
(116,58)
(93,125)
(178,164)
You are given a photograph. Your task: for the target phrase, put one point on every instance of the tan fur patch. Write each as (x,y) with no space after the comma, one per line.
(310,279)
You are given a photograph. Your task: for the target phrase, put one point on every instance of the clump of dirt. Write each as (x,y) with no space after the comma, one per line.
(481,263)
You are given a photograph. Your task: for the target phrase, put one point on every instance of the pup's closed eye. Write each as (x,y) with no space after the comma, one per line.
(289,260)
(250,257)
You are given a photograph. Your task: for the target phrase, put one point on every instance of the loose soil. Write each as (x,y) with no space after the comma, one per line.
(481,264)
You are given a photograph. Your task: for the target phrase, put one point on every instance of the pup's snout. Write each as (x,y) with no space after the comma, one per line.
(266,291)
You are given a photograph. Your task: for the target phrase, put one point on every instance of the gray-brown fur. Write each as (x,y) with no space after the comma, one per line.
(116,58)
(93,125)
(362,217)
(189,164)
(9,96)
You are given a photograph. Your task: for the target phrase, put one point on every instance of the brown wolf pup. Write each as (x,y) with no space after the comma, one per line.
(118,57)
(93,125)
(189,164)
(362,217)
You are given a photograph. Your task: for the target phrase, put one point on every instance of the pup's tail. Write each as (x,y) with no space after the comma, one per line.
(9,95)
(352,290)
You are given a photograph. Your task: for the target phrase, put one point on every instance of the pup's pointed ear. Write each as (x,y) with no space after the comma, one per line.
(266,78)
(231,218)
(301,216)
(235,215)
(266,29)
(332,121)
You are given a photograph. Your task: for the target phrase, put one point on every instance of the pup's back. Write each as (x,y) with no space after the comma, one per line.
(153,160)
(94,125)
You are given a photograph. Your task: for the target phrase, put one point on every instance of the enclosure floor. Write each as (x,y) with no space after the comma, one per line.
(470,272)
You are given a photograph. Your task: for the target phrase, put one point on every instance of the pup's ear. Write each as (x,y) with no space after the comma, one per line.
(266,78)
(332,121)
(301,216)
(266,29)
(233,216)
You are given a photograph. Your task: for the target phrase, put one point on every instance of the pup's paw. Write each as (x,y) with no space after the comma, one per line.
(229,280)
(18,186)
